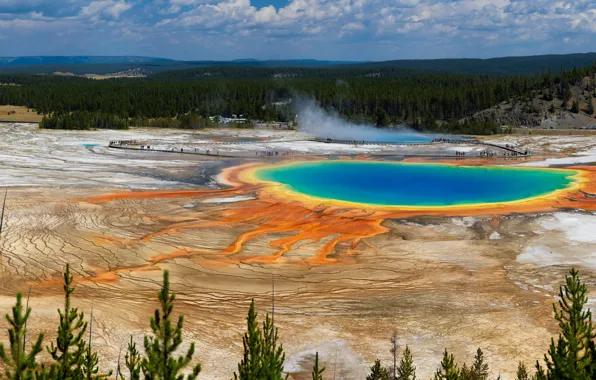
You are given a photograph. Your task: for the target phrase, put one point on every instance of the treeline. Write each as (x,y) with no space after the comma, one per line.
(410,98)
(83,120)
(465,127)
(443,97)
(31,79)
(571,357)
(188,121)
(493,66)
(248,72)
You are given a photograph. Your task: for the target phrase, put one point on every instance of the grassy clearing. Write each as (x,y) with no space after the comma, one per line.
(19,114)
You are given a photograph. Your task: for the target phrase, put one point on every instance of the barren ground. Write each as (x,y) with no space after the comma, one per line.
(458,282)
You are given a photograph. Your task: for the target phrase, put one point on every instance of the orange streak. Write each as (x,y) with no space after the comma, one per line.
(305,220)
(106,198)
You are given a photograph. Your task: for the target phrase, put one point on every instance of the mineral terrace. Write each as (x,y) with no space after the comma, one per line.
(484,279)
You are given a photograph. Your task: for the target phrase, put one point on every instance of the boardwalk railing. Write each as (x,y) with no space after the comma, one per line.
(272,153)
(508,148)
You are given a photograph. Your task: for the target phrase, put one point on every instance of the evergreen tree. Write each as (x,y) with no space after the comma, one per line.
(249,367)
(133,361)
(272,356)
(159,362)
(317,373)
(90,368)
(552,108)
(406,369)
(522,372)
(465,372)
(448,370)
(540,374)
(430,124)
(478,370)
(18,364)
(590,107)
(262,357)
(571,357)
(575,106)
(378,372)
(564,90)
(382,118)
(70,346)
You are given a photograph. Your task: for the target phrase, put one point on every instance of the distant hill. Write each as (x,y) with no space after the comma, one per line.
(102,65)
(76,60)
(80,65)
(284,72)
(491,66)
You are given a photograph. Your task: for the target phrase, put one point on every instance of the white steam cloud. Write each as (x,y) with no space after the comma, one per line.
(315,121)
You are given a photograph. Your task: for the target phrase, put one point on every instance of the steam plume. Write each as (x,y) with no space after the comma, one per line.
(314,120)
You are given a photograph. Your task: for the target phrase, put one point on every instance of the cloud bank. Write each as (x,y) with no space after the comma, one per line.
(325,29)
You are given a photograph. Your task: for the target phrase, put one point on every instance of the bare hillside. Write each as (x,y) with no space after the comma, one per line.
(561,106)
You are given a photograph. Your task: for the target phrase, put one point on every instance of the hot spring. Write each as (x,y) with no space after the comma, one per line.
(404,137)
(414,185)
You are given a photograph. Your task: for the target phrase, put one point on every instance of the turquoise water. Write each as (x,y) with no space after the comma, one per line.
(409,138)
(89,145)
(400,137)
(402,184)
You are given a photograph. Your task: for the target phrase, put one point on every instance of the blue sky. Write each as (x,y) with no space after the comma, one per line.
(360,30)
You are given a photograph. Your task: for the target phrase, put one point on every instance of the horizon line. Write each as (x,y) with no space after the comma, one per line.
(292,59)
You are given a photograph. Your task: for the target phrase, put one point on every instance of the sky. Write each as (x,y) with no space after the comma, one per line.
(346,30)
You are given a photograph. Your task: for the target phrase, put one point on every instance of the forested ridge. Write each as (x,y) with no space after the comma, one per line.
(418,99)
(443,96)
(106,64)
(493,66)
(572,356)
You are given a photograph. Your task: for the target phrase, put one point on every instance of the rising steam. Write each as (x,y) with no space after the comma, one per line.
(315,121)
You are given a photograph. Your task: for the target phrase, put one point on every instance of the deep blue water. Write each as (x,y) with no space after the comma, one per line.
(402,184)
(403,138)
(409,137)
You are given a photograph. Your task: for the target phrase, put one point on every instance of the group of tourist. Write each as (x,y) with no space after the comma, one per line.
(486,153)
(442,140)
(122,142)
(276,153)
(267,153)
(515,154)
(272,153)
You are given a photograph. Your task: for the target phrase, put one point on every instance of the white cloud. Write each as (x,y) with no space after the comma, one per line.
(173,9)
(186,2)
(387,28)
(110,8)
(242,14)
(312,30)
(353,26)
(116,9)
(266,15)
